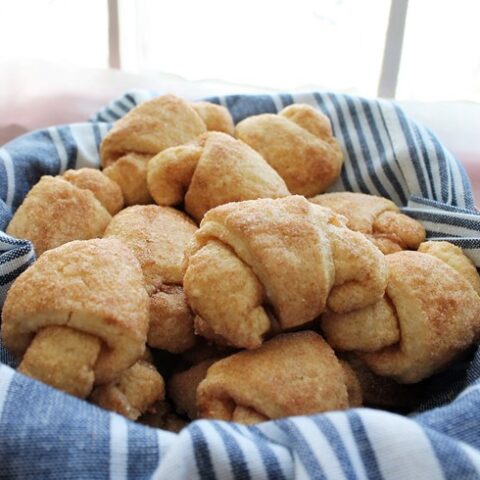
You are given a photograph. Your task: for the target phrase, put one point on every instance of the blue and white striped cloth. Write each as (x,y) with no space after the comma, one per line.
(47,434)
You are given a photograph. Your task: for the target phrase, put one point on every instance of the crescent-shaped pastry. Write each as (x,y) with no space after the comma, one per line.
(148,129)
(55,212)
(429,314)
(158,237)
(78,316)
(299,144)
(378,218)
(213,170)
(292,374)
(264,264)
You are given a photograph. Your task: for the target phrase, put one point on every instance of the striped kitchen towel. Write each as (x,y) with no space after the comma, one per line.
(45,433)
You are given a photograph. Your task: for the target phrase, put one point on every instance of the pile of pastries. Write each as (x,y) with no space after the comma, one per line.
(203,273)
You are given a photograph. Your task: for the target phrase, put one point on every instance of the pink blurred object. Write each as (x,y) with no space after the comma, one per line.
(35,95)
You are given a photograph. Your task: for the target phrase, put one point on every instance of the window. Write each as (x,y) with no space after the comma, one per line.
(410,49)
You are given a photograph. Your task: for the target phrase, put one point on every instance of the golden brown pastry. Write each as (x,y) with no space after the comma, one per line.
(298,143)
(78,316)
(145,131)
(213,170)
(158,237)
(429,314)
(134,393)
(216,117)
(55,212)
(182,387)
(255,263)
(106,191)
(292,374)
(378,218)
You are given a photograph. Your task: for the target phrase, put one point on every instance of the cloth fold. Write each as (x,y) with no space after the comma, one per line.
(45,433)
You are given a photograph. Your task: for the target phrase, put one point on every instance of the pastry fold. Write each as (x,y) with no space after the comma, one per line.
(213,170)
(150,128)
(134,393)
(92,289)
(429,314)
(378,218)
(292,374)
(299,144)
(158,237)
(55,212)
(255,263)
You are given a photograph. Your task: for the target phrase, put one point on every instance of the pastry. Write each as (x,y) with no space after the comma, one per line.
(78,316)
(106,191)
(429,314)
(292,374)
(145,131)
(378,218)
(134,393)
(182,387)
(158,237)
(269,264)
(55,211)
(211,171)
(216,117)
(299,144)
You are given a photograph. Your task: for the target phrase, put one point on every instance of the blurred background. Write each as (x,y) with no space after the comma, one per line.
(432,52)
(61,60)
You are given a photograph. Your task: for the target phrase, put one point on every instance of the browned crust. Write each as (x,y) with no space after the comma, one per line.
(54,212)
(94,286)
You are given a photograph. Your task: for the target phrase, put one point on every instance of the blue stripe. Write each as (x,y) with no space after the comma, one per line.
(215,100)
(389,173)
(10,277)
(142,443)
(286,99)
(270,461)
(364,446)
(427,162)
(235,454)
(302,448)
(122,105)
(412,150)
(243,106)
(131,99)
(365,150)
(60,448)
(111,113)
(70,145)
(349,145)
(343,174)
(445,219)
(3,182)
(453,460)
(98,136)
(201,450)
(328,429)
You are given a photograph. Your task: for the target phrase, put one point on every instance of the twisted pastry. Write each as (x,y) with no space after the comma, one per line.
(158,237)
(78,316)
(429,314)
(299,144)
(378,218)
(292,374)
(149,129)
(213,170)
(255,263)
(134,393)
(55,210)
